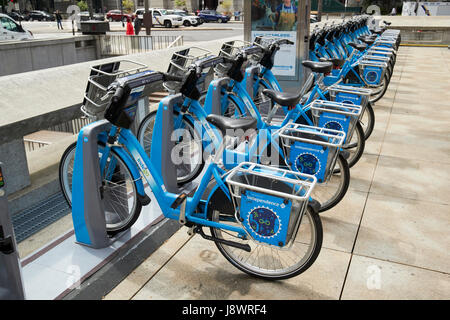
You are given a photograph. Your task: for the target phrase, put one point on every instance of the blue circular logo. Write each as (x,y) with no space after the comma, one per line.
(264,222)
(307,163)
(371,77)
(333,125)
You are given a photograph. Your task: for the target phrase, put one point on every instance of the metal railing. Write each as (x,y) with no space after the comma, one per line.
(114,45)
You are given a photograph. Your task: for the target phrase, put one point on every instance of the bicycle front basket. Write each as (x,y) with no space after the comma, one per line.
(269,201)
(350,95)
(311,150)
(336,116)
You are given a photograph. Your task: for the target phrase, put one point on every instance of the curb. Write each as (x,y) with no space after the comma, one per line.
(126,260)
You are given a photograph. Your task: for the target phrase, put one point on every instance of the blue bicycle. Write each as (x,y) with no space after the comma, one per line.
(261,218)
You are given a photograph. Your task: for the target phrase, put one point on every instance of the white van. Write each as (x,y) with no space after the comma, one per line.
(10,30)
(160,17)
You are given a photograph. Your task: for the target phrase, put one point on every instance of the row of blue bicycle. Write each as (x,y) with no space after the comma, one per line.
(253,164)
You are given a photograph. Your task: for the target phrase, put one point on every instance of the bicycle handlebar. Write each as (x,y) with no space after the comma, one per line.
(171,77)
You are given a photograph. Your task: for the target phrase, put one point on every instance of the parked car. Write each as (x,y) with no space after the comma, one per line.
(84,16)
(213,16)
(10,30)
(117,15)
(17,16)
(161,17)
(188,20)
(41,16)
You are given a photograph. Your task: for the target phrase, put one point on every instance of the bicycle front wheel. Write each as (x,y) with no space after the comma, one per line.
(367,120)
(188,144)
(331,192)
(119,189)
(356,146)
(268,262)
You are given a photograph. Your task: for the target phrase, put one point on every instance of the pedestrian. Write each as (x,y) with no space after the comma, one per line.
(130,30)
(137,26)
(58,20)
(394,11)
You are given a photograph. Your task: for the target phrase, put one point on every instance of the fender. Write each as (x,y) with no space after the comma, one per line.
(142,196)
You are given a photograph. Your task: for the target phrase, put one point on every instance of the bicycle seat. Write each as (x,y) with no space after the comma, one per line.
(359,47)
(387,23)
(379,31)
(336,62)
(284,99)
(319,67)
(225,123)
(367,41)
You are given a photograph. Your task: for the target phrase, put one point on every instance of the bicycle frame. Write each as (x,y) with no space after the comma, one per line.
(132,153)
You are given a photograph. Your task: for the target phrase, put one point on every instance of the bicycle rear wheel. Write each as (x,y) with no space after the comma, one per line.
(268,262)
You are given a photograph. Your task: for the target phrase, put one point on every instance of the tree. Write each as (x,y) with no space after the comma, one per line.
(128,5)
(180,3)
(82,5)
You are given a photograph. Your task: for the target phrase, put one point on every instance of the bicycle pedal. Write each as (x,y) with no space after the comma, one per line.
(191,231)
(181,202)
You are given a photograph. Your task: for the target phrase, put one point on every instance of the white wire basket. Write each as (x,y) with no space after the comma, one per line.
(269,201)
(180,62)
(231,49)
(311,150)
(95,98)
(336,116)
(350,95)
(372,72)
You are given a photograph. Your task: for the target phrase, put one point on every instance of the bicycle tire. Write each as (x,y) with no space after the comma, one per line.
(343,186)
(258,272)
(359,145)
(146,143)
(380,94)
(66,188)
(368,130)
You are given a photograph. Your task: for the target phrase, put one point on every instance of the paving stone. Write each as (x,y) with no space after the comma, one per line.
(405,231)
(373,279)
(200,272)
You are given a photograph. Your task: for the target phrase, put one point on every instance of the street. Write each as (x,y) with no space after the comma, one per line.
(205,32)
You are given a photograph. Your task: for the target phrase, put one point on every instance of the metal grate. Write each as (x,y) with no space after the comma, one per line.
(30,221)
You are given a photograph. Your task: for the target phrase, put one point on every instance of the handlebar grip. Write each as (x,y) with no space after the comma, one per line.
(228,60)
(118,95)
(170,77)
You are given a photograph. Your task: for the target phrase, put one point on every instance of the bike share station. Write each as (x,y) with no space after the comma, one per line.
(54,271)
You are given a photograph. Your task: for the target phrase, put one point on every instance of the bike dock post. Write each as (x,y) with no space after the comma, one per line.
(163,144)
(213,99)
(89,206)
(11,287)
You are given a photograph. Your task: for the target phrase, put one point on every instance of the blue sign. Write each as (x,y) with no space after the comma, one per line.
(309,159)
(266,218)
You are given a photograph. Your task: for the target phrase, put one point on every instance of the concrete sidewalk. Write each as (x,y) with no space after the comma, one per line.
(389,237)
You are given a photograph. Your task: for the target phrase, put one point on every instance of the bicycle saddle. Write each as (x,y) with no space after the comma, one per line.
(359,47)
(336,62)
(224,123)
(367,41)
(379,31)
(387,23)
(319,67)
(284,99)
